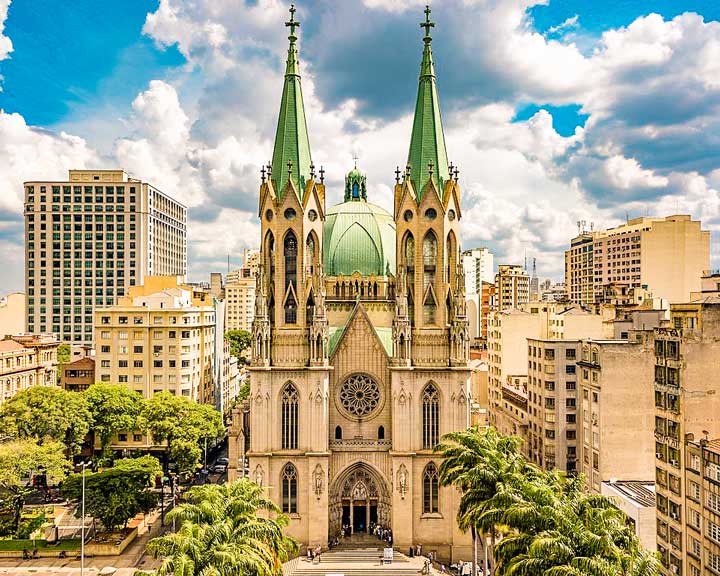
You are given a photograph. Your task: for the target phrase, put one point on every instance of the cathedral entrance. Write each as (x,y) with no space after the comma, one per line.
(359,498)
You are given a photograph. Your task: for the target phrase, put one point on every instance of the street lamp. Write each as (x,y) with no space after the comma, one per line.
(82,527)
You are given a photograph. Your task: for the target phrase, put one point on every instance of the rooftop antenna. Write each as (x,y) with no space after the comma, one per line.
(228,269)
(356,158)
(534,268)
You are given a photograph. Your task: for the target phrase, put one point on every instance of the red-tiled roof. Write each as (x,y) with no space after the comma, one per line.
(10,346)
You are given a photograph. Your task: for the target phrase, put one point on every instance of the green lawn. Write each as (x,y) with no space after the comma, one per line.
(14,545)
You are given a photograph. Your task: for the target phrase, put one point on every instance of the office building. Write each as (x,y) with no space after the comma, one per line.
(27,360)
(251,260)
(666,256)
(687,405)
(90,238)
(160,337)
(512,286)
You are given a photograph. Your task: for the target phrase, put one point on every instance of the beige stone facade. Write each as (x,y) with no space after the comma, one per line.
(666,256)
(240,304)
(615,412)
(686,411)
(161,337)
(91,237)
(12,314)
(27,360)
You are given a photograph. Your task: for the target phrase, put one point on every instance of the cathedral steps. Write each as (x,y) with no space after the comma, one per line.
(355,562)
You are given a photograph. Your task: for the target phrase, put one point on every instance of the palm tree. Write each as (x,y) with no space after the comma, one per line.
(478,462)
(226,530)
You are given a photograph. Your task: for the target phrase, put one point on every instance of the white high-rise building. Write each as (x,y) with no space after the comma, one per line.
(479,268)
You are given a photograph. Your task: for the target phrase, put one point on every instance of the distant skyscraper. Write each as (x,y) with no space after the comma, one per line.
(91,237)
(479,268)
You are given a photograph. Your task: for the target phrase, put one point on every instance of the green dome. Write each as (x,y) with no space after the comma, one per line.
(359,237)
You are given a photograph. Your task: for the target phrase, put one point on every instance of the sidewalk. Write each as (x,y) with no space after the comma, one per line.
(134,557)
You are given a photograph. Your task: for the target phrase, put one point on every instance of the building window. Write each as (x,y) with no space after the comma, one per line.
(430,489)
(410,267)
(289,489)
(431,414)
(290,399)
(290,253)
(429,267)
(381,432)
(338,432)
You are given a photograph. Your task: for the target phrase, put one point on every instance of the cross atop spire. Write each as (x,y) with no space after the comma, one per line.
(356,158)
(427,25)
(292,24)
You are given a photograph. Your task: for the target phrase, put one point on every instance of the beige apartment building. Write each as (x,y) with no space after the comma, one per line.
(27,360)
(90,238)
(508,356)
(251,261)
(160,337)
(512,286)
(240,293)
(666,256)
(12,314)
(615,410)
(687,405)
(552,403)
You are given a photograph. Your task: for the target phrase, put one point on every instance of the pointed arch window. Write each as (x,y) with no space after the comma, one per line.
(309,308)
(310,254)
(270,268)
(290,251)
(381,432)
(338,432)
(289,481)
(451,258)
(431,416)
(409,252)
(429,269)
(430,489)
(289,424)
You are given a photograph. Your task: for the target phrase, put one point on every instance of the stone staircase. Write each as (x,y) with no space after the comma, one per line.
(355,557)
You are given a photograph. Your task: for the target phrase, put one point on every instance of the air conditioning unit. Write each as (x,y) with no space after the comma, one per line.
(674,515)
(674,568)
(658,455)
(674,462)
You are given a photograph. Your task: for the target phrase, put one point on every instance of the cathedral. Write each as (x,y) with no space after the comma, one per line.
(360,338)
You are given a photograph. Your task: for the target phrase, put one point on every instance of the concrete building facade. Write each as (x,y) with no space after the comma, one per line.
(160,337)
(90,238)
(686,410)
(479,267)
(12,314)
(512,286)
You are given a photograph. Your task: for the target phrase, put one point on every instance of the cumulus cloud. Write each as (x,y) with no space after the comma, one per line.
(650,91)
(6,46)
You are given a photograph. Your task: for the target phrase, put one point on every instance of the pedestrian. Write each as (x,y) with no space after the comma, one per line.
(442,568)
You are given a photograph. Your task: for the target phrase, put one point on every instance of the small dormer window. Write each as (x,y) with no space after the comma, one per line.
(355,190)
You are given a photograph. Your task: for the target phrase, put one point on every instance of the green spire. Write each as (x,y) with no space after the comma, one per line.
(291,155)
(427,145)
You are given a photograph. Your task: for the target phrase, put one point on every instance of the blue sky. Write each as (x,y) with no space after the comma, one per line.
(556,111)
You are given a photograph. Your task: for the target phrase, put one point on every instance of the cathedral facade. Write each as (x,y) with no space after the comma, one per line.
(360,337)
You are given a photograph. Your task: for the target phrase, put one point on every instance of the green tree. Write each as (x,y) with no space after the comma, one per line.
(63,357)
(45,413)
(225,529)
(182,424)
(19,460)
(117,494)
(552,527)
(240,341)
(113,407)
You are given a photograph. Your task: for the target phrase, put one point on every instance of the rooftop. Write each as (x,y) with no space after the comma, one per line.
(639,491)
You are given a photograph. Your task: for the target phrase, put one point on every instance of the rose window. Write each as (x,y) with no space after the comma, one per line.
(359,395)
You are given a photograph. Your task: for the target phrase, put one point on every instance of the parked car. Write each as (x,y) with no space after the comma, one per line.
(222,460)
(218,468)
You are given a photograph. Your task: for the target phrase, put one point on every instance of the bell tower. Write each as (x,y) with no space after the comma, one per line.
(292,212)
(427,217)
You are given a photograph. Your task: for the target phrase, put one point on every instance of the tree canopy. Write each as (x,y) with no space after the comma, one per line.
(182,424)
(117,494)
(225,529)
(113,407)
(43,413)
(240,341)
(19,460)
(552,526)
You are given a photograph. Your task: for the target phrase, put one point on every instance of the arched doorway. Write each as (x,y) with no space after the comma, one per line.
(359,497)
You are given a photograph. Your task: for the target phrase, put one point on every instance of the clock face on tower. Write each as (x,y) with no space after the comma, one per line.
(359,395)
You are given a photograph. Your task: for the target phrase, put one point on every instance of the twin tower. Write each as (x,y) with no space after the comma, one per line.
(317,263)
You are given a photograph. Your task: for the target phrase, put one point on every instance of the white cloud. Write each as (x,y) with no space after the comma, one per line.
(567,24)
(626,173)
(6,46)
(28,153)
